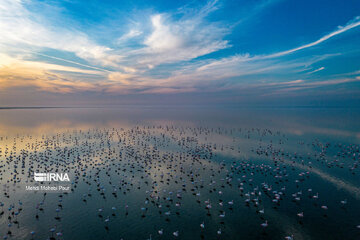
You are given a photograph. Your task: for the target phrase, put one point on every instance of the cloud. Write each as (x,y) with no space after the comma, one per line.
(352,24)
(172,39)
(289,83)
(131,34)
(247,58)
(69,61)
(247,65)
(118,77)
(162,39)
(301,85)
(162,52)
(23,29)
(317,70)
(31,77)
(6,61)
(332,82)
(240,67)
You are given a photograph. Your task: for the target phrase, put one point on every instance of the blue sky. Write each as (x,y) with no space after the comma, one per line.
(124,52)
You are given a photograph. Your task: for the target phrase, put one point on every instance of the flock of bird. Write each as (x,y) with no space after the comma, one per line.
(174,169)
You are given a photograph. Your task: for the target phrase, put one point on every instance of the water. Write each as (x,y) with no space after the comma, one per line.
(136,156)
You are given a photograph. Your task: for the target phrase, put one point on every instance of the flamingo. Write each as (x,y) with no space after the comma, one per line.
(9,232)
(57,213)
(52,230)
(265,224)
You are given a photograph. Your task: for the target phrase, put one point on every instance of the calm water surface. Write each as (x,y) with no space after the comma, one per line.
(137,170)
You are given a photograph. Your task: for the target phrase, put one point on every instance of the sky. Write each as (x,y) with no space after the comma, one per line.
(240,52)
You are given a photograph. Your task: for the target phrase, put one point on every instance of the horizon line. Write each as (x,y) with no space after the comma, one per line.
(181,105)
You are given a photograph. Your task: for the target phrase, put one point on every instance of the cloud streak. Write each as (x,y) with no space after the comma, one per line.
(316,70)
(353,24)
(21,29)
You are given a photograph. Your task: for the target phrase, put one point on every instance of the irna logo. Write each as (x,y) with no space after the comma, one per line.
(48,177)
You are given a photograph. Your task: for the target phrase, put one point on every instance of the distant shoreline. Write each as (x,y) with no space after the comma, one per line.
(187,106)
(5,108)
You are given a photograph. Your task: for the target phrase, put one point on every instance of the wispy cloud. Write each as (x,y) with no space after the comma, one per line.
(301,85)
(69,61)
(174,40)
(316,70)
(129,35)
(31,77)
(7,61)
(352,24)
(25,30)
(241,65)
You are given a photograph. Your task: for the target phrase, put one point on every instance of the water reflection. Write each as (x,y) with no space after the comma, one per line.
(136,171)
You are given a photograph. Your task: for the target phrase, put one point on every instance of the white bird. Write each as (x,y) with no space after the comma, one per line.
(161,232)
(202,225)
(176,234)
(265,224)
(219,231)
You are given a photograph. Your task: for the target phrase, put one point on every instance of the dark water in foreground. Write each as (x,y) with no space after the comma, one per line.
(135,171)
